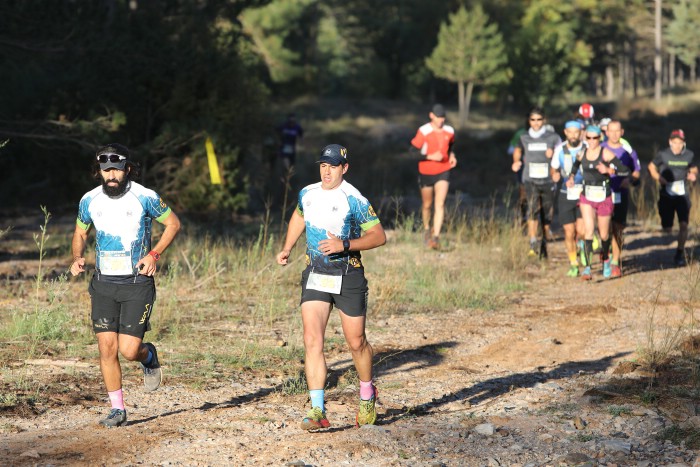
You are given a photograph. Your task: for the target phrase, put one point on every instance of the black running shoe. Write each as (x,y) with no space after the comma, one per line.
(152,374)
(679,258)
(116,417)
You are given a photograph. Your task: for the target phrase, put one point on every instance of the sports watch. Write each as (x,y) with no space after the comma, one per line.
(155,254)
(346,245)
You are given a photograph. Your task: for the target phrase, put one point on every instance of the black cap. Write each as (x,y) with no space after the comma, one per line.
(439,111)
(113,149)
(334,154)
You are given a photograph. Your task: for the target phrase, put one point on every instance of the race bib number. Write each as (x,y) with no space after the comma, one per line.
(324,283)
(535,147)
(115,263)
(574,192)
(676,188)
(539,170)
(287,149)
(617,198)
(595,194)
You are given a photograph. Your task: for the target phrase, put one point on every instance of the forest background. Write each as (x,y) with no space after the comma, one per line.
(161,76)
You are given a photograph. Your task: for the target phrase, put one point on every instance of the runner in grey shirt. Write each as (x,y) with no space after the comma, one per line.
(536,147)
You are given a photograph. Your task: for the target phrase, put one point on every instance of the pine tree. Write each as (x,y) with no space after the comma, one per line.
(470,52)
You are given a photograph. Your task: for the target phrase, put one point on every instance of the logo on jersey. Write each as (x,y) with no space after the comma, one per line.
(162,203)
(371,211)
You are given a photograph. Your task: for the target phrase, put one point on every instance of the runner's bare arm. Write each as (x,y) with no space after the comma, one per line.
(517,159)
(78,248)
(294,231)
(692,174)
(654,172)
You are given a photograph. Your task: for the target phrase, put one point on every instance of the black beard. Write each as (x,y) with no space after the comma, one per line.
(115,191)
(574,143)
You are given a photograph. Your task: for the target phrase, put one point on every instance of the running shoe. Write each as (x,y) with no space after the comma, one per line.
(533,249)
(434,243)
(616,271)
(586,274)
(679,258)
(152,373)
(367,415)
(607,270)
(116,417)
(573,271)
(315,420)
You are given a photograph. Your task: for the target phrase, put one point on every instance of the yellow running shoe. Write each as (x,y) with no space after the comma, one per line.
(315,420)
(367,415)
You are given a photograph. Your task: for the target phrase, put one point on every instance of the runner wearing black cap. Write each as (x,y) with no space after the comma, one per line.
(339,223)
(434,140)
(122,290)
(673,168)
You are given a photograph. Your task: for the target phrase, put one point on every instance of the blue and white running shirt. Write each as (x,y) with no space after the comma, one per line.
(342,212)
(123,227)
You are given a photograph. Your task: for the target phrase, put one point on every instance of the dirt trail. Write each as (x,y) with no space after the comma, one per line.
(531,384)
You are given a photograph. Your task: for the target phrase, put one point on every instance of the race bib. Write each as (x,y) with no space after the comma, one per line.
(617,198)
(534,147)
(539,170)
(574,193)
(324,283)
(595,194)
(676,188)
(115,263)
(287,149)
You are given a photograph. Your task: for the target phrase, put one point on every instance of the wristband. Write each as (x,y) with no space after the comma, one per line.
(154,254)
(346,245)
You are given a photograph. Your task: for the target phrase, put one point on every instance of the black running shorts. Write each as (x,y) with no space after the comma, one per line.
(670,205)
(352,299)
(539,196)
(425,181)
(620,209)
(122,308)
(568,210)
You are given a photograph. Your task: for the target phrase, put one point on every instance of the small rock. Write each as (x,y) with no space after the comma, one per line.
(33,453)
(578,423)
(485,429)
(574,458)
(493,462)
(281,343)
(616,446)
(296,463)
(547,438)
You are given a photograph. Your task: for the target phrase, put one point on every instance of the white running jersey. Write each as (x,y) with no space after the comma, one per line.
(122,225)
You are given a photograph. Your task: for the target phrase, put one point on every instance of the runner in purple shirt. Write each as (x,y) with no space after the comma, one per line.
(620,188)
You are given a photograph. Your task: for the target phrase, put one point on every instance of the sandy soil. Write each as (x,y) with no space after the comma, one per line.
(548,380)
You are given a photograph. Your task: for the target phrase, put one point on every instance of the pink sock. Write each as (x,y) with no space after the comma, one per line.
(117,399)
(366,390)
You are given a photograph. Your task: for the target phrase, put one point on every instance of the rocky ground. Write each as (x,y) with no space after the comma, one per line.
(551,379)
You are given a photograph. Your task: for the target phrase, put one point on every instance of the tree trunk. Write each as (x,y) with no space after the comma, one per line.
(461,101)
(672,70)
(468,100)
(609,74)
(657,51)
(692,73)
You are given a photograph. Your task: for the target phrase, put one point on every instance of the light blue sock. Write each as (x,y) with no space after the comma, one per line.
(317,396)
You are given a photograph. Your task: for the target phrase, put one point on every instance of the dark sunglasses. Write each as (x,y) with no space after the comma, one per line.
(103,158)
(592,137)
(536,119)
